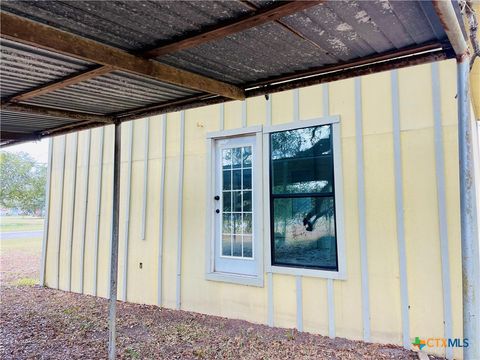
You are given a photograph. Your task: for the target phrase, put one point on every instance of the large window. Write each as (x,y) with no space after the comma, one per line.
(302,198)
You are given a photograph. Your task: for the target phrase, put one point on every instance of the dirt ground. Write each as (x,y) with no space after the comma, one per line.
(39,323)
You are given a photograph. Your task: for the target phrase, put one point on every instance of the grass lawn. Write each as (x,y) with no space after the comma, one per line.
(20,223)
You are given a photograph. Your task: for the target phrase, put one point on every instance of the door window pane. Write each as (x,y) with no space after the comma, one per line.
(227,245)
(227,201)
(237,203)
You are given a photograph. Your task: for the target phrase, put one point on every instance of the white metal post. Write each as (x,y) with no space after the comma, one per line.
(468,218)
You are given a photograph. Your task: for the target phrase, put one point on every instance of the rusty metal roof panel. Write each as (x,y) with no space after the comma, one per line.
(130,25)
(335,31)
(24,67)
(114,92)
(330,33)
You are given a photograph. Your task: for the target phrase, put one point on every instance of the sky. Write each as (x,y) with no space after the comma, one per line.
(37,149)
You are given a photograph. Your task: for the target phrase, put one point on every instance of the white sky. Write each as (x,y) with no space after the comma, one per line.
(37,149)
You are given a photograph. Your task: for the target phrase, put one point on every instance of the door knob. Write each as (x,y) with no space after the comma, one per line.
(217,197)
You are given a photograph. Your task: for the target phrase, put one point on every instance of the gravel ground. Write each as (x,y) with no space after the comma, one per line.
(39,323)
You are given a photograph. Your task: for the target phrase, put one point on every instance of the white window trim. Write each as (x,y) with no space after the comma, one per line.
(341,274)
(210,272)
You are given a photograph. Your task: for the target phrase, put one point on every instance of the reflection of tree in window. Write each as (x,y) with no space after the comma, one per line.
(302,193)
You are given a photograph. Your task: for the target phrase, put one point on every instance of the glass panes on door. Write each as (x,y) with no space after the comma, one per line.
(237,217)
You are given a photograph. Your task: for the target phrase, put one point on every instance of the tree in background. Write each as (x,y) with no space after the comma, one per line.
(22,183)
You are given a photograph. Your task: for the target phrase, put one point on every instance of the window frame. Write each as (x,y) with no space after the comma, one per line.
(211,274)
(341,272)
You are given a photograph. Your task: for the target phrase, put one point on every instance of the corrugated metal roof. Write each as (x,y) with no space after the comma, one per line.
(342,31)
(111,93)
(29,123)
(333,32)
(24,67)
(130,25)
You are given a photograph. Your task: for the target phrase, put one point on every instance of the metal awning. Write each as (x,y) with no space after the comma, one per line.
(70,65)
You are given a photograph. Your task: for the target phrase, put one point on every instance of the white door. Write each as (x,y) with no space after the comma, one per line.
(234,199)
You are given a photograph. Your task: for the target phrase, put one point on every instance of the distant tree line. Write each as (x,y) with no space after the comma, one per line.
(22,183)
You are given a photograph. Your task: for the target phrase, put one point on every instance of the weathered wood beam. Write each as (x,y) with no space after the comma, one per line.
(259,17)
(62,83)
(25,31)
(64,114)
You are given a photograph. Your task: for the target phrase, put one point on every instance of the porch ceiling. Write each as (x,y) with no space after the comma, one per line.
(70,65)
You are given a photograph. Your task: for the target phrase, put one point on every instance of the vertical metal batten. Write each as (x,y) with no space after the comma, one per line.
(270,309)
(402,257)
(84,210)
(468,218)
(221,121)
(98,206)
(296,105)
(269,110)
(299,292)
(60,209)
(361,210)
(161,211)
(180,210)
(330,288)
(126,228)
(442,207)
(270,318)
(244,113)
(112,304)
(43,261)
(72,212)
(145,179)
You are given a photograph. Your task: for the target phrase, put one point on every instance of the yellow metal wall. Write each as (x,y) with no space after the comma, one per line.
(421,222)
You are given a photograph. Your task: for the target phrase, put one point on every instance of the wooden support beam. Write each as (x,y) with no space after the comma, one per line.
(259,17)
(25,31)
(45,111)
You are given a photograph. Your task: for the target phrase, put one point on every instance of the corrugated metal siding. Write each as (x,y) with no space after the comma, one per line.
(114,92)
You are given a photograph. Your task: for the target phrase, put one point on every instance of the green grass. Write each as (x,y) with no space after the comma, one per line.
(20,223)
(31,244)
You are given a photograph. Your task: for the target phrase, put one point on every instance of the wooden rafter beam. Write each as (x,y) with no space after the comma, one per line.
(64,114)
(25,31)
(259,17)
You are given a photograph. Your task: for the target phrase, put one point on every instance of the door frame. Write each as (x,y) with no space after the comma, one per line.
(211,274)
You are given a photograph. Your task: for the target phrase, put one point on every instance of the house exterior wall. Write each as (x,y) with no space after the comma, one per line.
(369,99)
